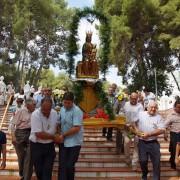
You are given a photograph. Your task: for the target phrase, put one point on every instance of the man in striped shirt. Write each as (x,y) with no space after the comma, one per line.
(173,121)
(149,125)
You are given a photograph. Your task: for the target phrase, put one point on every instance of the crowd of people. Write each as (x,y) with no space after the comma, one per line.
(143,126)
(48,117)
(37,125)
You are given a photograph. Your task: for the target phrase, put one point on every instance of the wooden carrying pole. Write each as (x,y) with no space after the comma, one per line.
(5,112)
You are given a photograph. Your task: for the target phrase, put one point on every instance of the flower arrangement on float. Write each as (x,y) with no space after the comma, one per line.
(99,115)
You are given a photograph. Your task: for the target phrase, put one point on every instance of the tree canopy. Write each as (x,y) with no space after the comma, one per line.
(36,32)
(145,40)
(49,79)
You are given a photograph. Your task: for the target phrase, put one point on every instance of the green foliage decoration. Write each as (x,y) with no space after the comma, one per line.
(78,91)
(104,37)
(101,95)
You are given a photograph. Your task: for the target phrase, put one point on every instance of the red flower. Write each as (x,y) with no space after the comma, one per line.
(86,115)
(101,114)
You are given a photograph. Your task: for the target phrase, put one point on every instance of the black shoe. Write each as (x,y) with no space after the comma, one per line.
(173,166)
(144,178)
(109,139)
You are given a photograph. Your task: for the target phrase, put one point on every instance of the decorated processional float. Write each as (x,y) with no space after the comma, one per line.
(87,86)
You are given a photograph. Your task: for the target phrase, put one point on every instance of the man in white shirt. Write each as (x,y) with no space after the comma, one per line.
(149,125)
(131,109)
(43,135)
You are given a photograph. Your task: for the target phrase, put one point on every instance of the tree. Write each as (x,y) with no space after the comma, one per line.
(135,47)
(38,33)
(48,79)
(170,32)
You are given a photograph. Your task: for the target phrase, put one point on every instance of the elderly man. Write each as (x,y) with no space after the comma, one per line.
(173,120)
(22,124)
(42,137)
(72,132)
(131,109)
(149,125)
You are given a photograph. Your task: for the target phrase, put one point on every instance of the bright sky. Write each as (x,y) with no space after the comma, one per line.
(85,26)
(80,3)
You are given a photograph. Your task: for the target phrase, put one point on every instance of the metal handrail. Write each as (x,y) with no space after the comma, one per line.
(5,112)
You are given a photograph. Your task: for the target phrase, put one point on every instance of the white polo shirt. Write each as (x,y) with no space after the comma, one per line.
(40,123)
(148,123)
(132,111)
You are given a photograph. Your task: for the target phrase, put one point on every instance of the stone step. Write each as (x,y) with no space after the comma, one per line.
(118,172)
(92,178)
(98,162)
(98,159)
(164,150)
(102,172)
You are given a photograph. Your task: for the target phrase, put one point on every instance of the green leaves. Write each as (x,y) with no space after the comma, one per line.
(144,35)
(37,31)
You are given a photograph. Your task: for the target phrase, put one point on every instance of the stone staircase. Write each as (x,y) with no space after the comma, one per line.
(98,159)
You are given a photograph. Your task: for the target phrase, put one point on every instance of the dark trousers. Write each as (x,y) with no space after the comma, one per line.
(107,131)
(119,141)
(43,158)
(68,156)
(149,149)
(11,101)
(22,147)
(172,148)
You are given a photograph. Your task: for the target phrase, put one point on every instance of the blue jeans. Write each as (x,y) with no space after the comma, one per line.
(68,156)
(149,149)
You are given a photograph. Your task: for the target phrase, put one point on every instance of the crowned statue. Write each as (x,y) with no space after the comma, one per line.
(88,67)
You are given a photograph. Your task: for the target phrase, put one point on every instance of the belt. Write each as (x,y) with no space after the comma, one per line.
(42,144)
(150,141)
(172,132)
(26,129)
